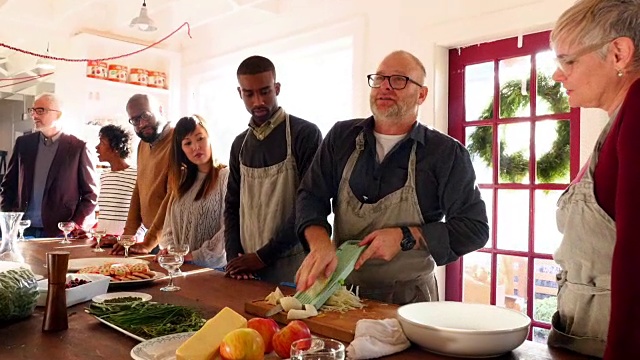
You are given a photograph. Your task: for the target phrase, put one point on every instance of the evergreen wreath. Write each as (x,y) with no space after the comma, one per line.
(552,165)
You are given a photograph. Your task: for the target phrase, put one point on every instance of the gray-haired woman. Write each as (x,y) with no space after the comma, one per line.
(597,42)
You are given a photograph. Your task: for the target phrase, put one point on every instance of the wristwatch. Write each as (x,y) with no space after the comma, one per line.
(408,241)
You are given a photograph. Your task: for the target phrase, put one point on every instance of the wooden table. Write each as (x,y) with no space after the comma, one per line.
(205,289)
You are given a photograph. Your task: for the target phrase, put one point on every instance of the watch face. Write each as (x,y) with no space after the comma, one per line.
(408,243)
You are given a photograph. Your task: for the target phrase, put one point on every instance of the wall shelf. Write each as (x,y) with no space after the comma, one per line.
(94,84)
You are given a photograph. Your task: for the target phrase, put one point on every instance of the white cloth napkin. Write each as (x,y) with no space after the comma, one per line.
(377,338)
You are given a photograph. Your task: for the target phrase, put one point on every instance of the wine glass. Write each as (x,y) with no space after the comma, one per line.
(127,241)
(98,234)
(22,226)
(317,349)
(66,227)
(178,249)
(171,263)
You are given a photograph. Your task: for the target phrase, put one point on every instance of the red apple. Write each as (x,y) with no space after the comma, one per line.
(242,344)
(267,328)
(282,340)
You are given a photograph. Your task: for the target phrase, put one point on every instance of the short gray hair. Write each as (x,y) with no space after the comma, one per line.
(52,98)
(592,21)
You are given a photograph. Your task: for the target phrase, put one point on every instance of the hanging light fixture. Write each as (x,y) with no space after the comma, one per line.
(143,21)
(44,63)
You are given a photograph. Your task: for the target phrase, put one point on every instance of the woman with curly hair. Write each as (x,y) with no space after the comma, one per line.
(198,187)
(116,185)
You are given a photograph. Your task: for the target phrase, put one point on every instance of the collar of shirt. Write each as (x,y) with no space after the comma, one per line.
(47,141)
(261,132)
(164,133)
(418,131)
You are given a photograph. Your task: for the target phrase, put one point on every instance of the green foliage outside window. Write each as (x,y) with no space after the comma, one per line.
(552,165)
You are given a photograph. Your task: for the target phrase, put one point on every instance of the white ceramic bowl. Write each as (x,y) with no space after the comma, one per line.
(75,295)
(463,329)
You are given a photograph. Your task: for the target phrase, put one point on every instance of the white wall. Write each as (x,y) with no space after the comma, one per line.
(427,28)
(11,122)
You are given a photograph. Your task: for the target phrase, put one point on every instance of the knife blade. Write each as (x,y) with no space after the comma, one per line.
(274,310)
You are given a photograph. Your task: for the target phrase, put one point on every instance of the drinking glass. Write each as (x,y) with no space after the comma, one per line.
(66,227)
(98,234)
(171,263)
(317,349)
(22,226)
(127,241)
(178,249)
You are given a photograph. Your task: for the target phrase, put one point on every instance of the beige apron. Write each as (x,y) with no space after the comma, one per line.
(267,199)
(408,277)
(584,285)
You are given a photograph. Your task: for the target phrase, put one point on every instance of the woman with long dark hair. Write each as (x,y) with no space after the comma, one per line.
(198,186)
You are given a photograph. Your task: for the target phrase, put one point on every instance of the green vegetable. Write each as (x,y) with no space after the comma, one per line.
(149,320)
(18,294)
(121,300)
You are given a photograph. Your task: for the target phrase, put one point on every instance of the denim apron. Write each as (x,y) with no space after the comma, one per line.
(267,199)
(585,253)
(409,277)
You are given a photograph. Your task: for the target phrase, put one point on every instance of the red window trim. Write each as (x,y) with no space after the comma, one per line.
(496,51)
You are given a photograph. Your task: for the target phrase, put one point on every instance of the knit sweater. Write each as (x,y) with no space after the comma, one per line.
(150,195)
(199,223)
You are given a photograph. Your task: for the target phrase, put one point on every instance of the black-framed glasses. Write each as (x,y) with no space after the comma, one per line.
(40,110)
(397,82)
(145,115)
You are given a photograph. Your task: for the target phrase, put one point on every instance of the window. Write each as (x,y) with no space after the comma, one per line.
(317,85)
(525,150)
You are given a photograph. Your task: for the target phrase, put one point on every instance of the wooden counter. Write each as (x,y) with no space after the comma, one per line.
(205,289)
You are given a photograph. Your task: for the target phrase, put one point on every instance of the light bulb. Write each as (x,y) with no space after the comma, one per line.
(143,27)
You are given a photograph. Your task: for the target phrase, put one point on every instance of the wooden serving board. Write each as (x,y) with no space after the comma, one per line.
(335,325)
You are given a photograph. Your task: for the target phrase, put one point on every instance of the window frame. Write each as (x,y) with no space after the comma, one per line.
(459,58)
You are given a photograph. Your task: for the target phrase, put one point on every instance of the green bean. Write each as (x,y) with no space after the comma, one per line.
(149,320)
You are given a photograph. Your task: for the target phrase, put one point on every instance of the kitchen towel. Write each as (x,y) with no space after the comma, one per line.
(377,338)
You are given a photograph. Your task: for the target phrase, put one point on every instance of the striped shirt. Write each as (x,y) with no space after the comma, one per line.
(114,199)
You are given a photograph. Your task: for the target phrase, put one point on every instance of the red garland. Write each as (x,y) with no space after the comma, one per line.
(28,78)
(104,59)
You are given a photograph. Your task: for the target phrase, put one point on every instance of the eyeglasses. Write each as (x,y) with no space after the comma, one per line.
(135,121)
(40,110)
(565,62)
(397,82)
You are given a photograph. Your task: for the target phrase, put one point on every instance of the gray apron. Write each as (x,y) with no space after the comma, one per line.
(584,284)
(267,199)
(409,276)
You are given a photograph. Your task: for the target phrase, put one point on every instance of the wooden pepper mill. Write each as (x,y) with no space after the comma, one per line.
(55,312)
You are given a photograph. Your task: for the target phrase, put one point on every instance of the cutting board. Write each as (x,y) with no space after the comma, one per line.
(335,325)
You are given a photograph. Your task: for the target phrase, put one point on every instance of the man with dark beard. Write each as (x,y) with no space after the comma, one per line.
(404,189)
(150,196)
(267,163)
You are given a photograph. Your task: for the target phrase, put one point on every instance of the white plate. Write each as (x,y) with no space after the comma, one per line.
(160,348)
(164,348)
(157,276)
(120,329)
(115,295)
(77,264)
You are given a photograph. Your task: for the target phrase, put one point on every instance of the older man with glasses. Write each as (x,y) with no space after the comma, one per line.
(51,175)
(404,189)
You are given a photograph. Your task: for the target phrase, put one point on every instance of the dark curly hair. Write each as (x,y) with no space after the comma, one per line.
(119,139)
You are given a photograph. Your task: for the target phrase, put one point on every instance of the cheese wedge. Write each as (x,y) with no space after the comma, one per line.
(205,344)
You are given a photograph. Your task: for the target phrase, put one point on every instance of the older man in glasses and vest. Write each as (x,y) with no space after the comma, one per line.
(403,189)
(51,175)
